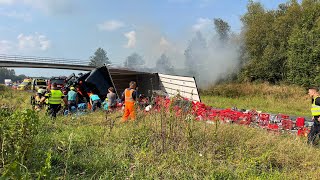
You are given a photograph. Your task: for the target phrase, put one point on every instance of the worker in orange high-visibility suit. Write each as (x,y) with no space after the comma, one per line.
(129,95)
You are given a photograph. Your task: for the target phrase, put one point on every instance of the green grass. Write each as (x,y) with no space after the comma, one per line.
(291,100)
(159,146)
(264,104)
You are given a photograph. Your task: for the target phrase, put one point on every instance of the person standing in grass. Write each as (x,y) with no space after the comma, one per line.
(111,99)
(129,95)
(55,97)
(72,98)
(95,101)
(315,111)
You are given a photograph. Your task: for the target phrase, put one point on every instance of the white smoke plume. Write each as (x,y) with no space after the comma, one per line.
(131,36)
(211,59)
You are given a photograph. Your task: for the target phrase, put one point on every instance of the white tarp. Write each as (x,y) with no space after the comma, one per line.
(185,86)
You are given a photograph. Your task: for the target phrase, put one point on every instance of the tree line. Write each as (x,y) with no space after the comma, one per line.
(10,74)
(134,61)
(282,45)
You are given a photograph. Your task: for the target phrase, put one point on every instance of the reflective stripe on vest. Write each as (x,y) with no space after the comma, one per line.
(55,97)
(315,109)
(128,95)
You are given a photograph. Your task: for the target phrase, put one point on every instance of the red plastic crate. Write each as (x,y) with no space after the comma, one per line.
(264,119)
(273,127)
(300,122)
(245,119)
(283,116)
(303,132)
(287,124)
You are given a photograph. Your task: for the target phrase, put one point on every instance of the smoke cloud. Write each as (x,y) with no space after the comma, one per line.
(131,36)
(220,59)
(208,59)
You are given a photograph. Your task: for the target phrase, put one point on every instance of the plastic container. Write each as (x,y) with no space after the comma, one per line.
(287,124)
(300,122)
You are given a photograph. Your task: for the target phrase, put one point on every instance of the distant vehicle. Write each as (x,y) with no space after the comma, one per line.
(8,82)
(38,83)
(60,81)
(14,86)
(25,85)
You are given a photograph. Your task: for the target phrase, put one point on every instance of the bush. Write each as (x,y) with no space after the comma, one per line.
(18,130)
(3,88)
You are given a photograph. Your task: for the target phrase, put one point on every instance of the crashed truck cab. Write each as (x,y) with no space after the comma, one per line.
(100,79)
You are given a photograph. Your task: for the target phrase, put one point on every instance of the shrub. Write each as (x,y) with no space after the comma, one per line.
(18,130)
(2,88)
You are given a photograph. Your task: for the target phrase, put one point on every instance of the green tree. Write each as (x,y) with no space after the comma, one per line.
(222,28)
(99,58)
(163,64)
(9,74)
(134,61)
(266,35)
(304,47)
(195,53)
(254,35)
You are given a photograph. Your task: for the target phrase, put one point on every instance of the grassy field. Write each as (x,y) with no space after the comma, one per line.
(291,100)
(156,146)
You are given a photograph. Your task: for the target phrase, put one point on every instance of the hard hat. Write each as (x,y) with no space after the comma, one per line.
(39,91)
(72,88)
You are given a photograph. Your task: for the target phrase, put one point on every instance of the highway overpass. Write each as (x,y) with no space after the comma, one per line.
(11,61)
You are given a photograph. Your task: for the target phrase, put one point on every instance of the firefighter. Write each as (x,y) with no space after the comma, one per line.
(38,96)
(54,97)
(129,95)
(315,110)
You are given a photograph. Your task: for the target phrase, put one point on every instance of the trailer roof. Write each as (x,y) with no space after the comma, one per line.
(125,71)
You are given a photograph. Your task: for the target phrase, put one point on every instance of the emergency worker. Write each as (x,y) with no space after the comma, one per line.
(315,111)
(37,99)
(54,98)
(129,95)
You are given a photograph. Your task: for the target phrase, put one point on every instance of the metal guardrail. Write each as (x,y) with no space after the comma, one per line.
(44,60)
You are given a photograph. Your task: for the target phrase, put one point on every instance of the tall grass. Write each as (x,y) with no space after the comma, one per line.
(158,146)
(236,90)
(291,100)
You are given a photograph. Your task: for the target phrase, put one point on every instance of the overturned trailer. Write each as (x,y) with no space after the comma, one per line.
(100,79)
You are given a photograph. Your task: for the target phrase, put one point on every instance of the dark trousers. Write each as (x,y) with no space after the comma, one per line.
(96,104)
(315,129)
(54,109)
(70,104)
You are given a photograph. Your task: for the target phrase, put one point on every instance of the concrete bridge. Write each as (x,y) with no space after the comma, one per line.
(11,61)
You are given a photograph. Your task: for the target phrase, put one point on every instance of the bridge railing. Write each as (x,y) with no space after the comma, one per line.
(44,60)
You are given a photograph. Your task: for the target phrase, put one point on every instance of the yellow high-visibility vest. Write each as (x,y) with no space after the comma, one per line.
(55,97)
(315,109)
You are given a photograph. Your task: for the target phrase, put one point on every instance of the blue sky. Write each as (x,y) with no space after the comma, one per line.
(76,28)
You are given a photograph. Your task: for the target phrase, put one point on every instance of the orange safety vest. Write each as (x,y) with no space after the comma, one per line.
(128,95)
